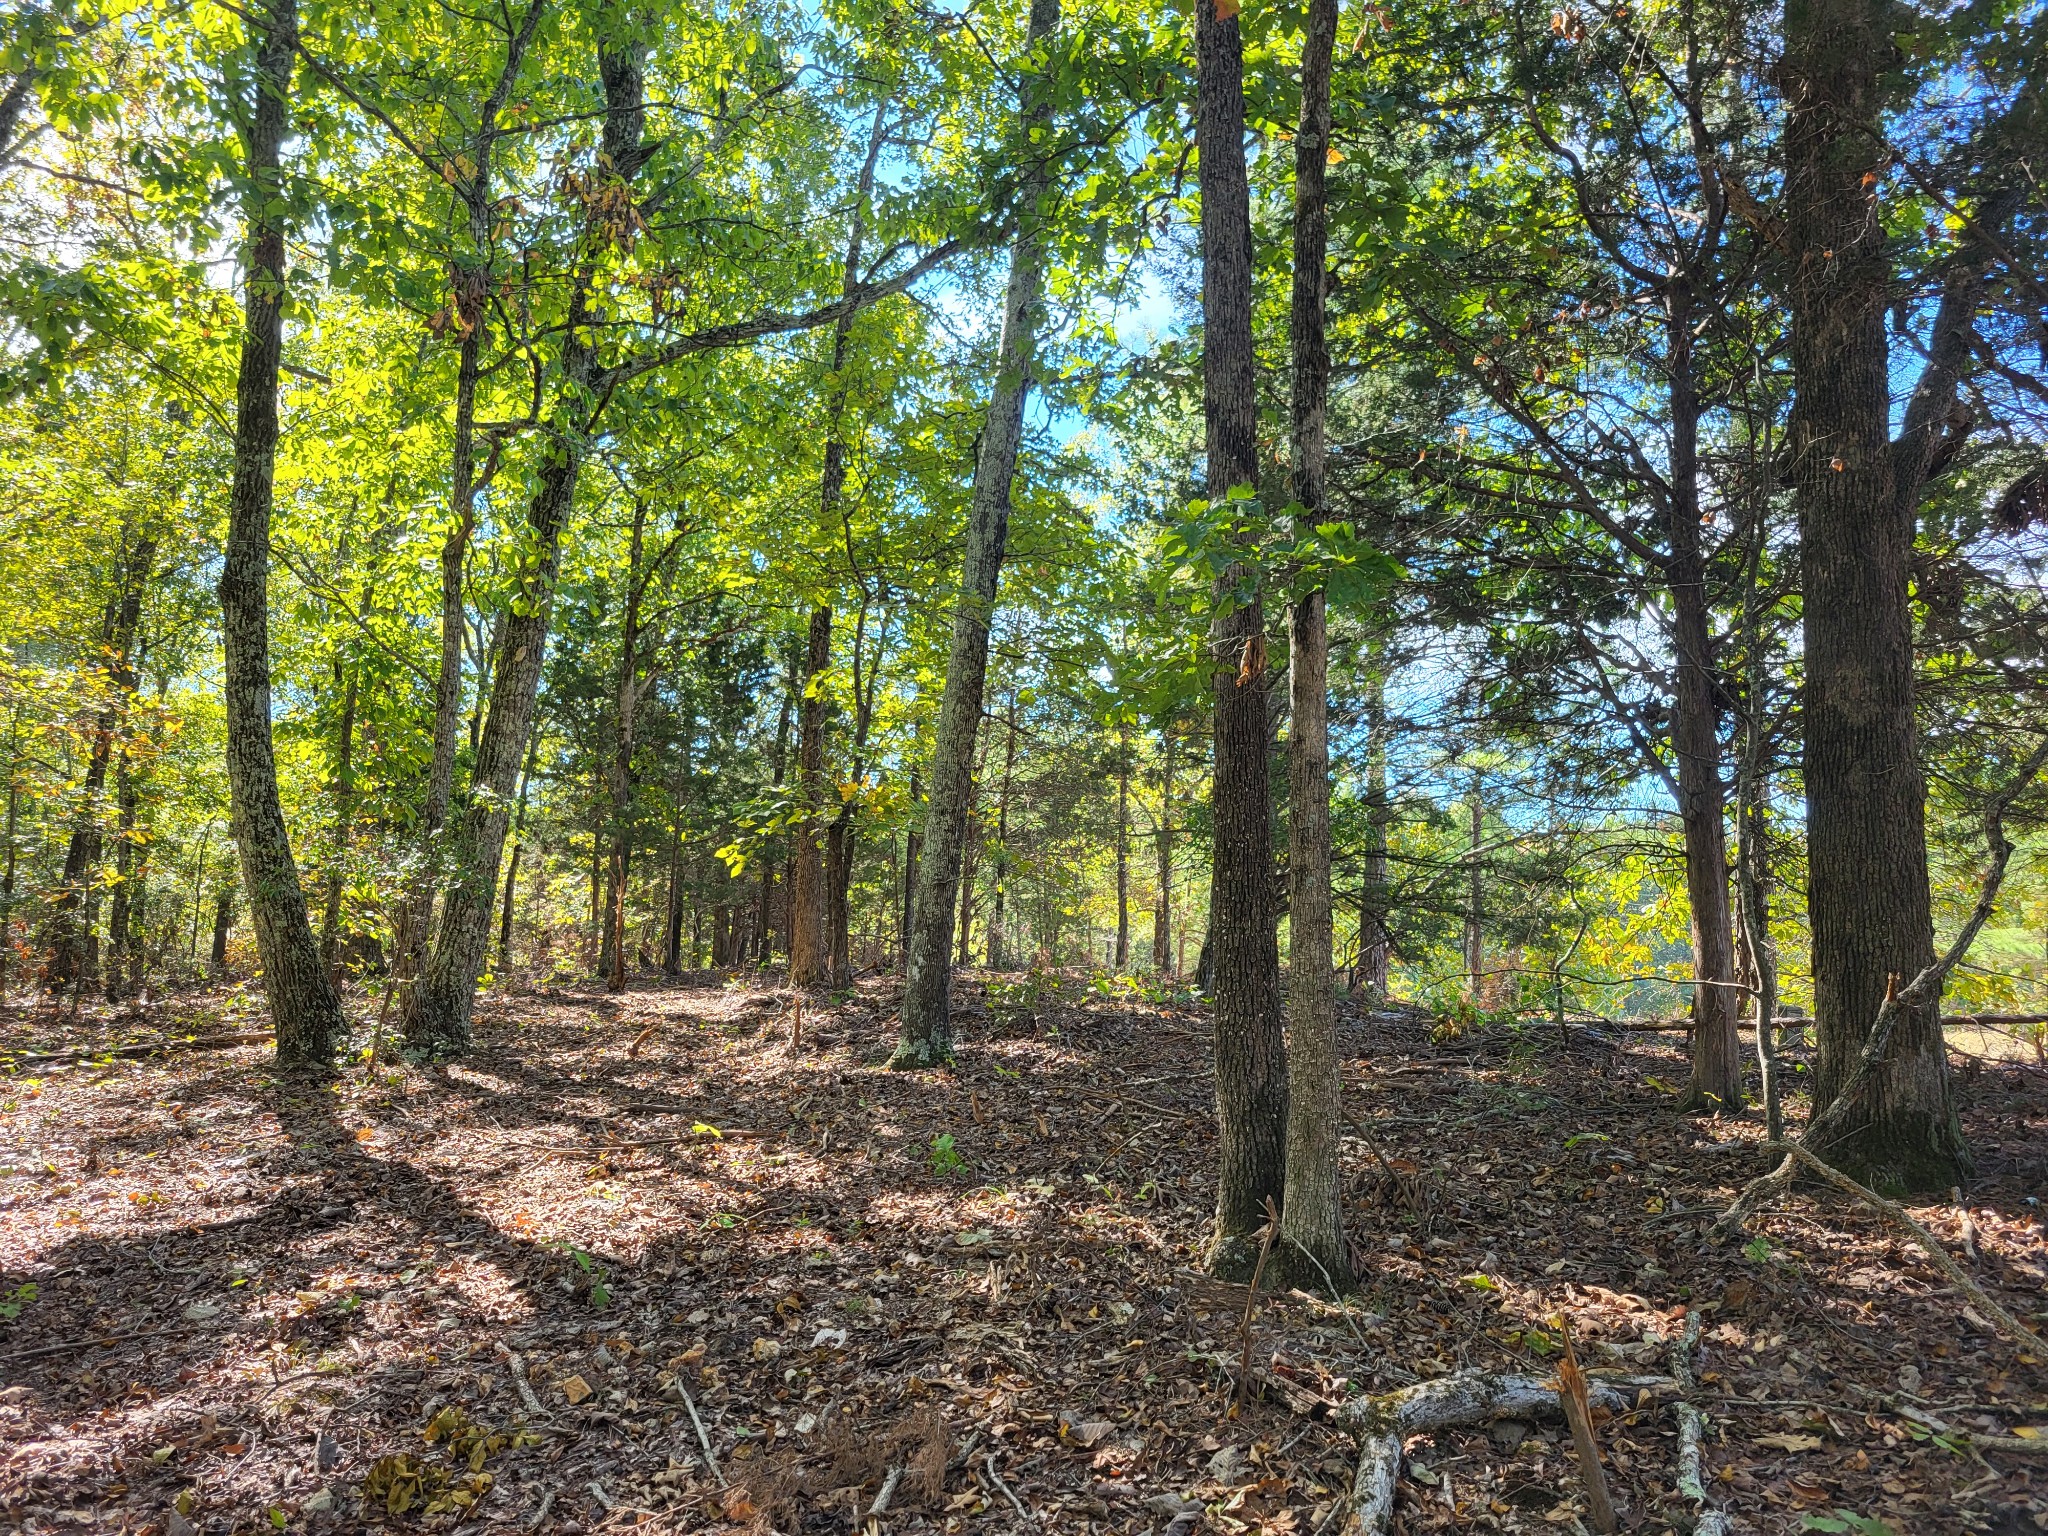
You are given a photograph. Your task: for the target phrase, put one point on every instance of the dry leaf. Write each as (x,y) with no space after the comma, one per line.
(1793,1443)
(575,1389)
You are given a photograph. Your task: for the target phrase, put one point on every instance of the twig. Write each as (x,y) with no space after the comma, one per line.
(1692,1428)
(703,1438)
(1015,1503)
(516,1367)
(98,1341)
(1251,1302)
(723,1133)
(881,1504)
(142,1048)
(540,1516)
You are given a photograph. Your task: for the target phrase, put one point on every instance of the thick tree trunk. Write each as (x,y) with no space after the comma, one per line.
(927,1032)
(303,1007)
(223,925)
(1696,741)
(1866,834)
(1251,1053)
(809,959)
(1311,1250)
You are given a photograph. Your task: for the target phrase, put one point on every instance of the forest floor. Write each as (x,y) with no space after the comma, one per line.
(243,1303)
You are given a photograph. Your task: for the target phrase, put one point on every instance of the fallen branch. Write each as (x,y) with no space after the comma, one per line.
(142,1048)
(1692,1430)
(1573,1397)
(703,1437)
(516,1368)
(98,1341)
(1383,1421)
(724,1133)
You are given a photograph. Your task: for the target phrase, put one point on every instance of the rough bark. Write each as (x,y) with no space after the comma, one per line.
(512,865)
(927,1026)
(1162,915)
(1251,1059)
(1123,849)
(303,1007)
(1716,1083)
(1866,833)
(1310,1251)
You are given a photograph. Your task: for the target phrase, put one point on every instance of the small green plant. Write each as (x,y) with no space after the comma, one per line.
(600,1291)
(945,1157)
(1847,1520)
(11,1306)
(1758,1250)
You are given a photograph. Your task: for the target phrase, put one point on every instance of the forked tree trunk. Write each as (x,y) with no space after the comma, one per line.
(1311,1250)
(303,1007)
(1251,1053)
(1866,833)
(927,1024)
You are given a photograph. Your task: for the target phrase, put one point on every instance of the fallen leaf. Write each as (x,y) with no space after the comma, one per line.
(575,1389)
(1793,1443)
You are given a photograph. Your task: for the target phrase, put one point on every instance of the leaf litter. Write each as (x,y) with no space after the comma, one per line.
(639,1264)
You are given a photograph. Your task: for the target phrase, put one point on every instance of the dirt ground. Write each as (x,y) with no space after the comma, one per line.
(235,1302)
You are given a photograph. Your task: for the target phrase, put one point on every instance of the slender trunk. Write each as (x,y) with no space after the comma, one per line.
(1866,831)
(1475,901)
(1753,873)
(911,841)
(927,1025)
(304,1009)
(341,789)
(1311,1251)
(809,963)
(1162,915)
(1374,952)
(672,956)
(223,924)
(7,874)
(1123,849)
(778,765)
(1696,741)
(1251,1051)
(120,920)
(998,940)
(969,859)
(512,867)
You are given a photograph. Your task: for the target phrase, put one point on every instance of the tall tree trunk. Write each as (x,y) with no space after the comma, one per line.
(303,1007)
(778,765)
(223,925)
(969,860)
(1123,849)
(7,872)
(1251,1052)
(672,955)
(809,961)
(1374,953)
(1696,741)
(1311,1251)
(1162,915)
(1475,900)
(911,842)
(1866,833)
(69,941)
(927,1025)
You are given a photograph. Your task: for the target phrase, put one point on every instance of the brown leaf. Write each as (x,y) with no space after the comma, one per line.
(575,1389)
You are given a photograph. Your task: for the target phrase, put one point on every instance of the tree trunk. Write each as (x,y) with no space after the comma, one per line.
(1123,850)
(809,960)
(1311,1248)
(998,940)
(1696,741)
(969,859)
(1866,833)
(341,788)
(1251,1053)
(303,1007)
(512,865)
(910,852)
(120,921)
(927,1025)
(1162,915)
(1475,902)
(223,924)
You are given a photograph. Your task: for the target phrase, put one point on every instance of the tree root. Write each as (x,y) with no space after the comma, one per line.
(1797,1157)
